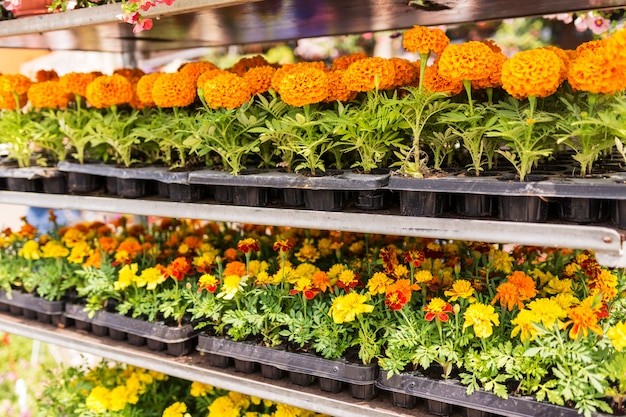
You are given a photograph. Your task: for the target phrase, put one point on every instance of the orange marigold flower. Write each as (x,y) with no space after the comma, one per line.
(494,80)
(46,75)
(531,73)
(13,84)
(227,91)
(596,71)
(436,83)
(616,47)
(590,45)
(235,268)
(343,62)
(94,259)
(246,63)
(76,82)
(406,72)
(466,61)
(437,309)
(107,91)
(230,254)
(369,74)
(565,62)
(144,88)
(524,283)
(583,318)
(424,40)
(178,268)
(303,85)
(321,281)
(492,45)
(337,89)
(209,75)
(107,244)
(131,74)
(174,90)
(508,295)
(48,95)
(259,79)
(399,293)
(195,69)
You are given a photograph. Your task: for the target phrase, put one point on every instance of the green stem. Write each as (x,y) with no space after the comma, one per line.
(423,63)
(591,102)
(468,89)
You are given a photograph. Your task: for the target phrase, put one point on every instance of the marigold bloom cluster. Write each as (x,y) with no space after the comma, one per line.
(370,74)
(304,85)
(226,91)
(109,90)
(174,90)
(531,73)
(424,40)
(466,61)
(48,95)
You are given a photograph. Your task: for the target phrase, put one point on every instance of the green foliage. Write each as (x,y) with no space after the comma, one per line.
(114,128)
(97,285)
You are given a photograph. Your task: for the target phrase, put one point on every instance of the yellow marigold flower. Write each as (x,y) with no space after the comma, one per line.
(304,85)
(178,409)
(596,71)
(259,79)
(378,283)
(194,70)
(174,90)
(523,325)
(227,91)
(126,276)
(247,63)
(119,398)
(357,247)
(617,336)
(466,61)
(566,300)
(223,407)
(79,252)
(144,88)
(501,261)
(437,84)
(604,282)
(481,318)
(54,249)
(583,318)
(11,85)
(547,312)
(542,277)
(209,75)
(424,40)
(232,285)
(343,62)
(400,271)
(30,250)
(347,307)
(150,278)
(461,288)
(48,95)
(76,83)
(239,400)
(571,269)
(107,91)
(531,73)
(369,74)
(308,253)
(406,72)
(198,389)
(99,400)
(337,89)
(422,276)
(559,286)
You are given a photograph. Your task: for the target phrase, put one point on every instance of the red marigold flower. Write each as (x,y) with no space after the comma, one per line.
(208,282)
(395,300)
(437,309)
(283,245)
(399,293)
(248,244)
(414,257)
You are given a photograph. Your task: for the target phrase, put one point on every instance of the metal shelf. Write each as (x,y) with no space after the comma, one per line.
(193,368)
(202,23)
(605,241)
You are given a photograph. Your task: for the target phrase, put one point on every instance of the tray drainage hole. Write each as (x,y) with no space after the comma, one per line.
(335,369)
(412,385)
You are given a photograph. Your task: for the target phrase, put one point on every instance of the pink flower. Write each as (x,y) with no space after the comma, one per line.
(13,5)
(143,24)
(597,23)
(146,5)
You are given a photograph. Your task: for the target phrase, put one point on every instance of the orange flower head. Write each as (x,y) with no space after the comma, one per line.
(194,70)
(227,91)
(596,71)
(209,75)
(531,73)
(565,62)
(174,90)
(178,268)
(107,91)
(321,281)
(437,309)
(144,88)
(235,268)
(616,47)
(524,283)
(259,79)
(76,83)
(304,85)
(230,254)
(583,318)
(245,64)
(590,45)
(369,74)
(424,40)
(494,80)
(508,295)
(131,74)
(337,89)
(343,62)
(436,83)
(406,72)
(46,75)
(399,293)
(466,61)
(12,86)
(48,95)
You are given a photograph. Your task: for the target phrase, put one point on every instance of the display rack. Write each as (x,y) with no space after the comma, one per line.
(201,23)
